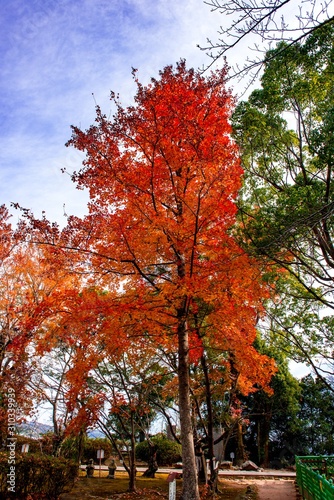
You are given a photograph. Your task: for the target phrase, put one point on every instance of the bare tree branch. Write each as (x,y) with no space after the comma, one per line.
(262,23)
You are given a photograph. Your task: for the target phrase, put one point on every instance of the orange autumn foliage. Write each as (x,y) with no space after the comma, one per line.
(163,176)
(33,292)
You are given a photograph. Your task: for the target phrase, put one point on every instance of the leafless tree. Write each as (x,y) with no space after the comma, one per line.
(261,24)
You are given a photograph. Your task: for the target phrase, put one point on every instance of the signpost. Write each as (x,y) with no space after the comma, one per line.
(100,455)
(172,490)
(172,476)
(232,456)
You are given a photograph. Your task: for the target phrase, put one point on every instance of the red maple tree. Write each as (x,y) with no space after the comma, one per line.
(163,176)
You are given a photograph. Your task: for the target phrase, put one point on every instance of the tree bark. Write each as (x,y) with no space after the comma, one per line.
(189,473)
(152,462)
(132,458)
(213,482)
(263,438)
(240,452)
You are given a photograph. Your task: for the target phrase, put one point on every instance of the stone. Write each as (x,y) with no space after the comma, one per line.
(249,465)
(225,465)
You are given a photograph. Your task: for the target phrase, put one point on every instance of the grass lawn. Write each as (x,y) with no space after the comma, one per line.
(101,488)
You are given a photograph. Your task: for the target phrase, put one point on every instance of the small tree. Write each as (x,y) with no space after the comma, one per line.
(131,383)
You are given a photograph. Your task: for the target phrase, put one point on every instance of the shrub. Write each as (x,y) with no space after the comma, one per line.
(34,444)
(49,443)
(92,445)
(36,477)
(168,451)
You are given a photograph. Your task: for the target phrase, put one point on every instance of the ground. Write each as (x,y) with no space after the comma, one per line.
(101,488)
(273,489)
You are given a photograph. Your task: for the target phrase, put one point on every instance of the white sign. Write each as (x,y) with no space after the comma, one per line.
(232,455)
(172,490)
(100,454)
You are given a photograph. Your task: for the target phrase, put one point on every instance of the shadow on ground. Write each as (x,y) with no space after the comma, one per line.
(101,488)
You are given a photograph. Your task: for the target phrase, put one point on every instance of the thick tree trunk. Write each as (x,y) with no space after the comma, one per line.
(189,472)
(240,452)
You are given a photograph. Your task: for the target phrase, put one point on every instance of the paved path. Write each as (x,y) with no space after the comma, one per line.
(265,474)
(226,474)
(276,490)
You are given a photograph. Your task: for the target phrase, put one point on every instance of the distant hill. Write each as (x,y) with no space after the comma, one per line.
(36,429)
(33,429)
(95,433)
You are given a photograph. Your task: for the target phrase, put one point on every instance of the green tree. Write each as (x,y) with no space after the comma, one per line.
(317,417)
(285,132)
(273,419)
(168,451)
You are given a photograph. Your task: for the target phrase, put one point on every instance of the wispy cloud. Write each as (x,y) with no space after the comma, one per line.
(55,54)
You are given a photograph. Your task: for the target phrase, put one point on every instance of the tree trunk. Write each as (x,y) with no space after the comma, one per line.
(132,458)
(240,452)
(213,482)
(152,461)
(189,471)
(263,439)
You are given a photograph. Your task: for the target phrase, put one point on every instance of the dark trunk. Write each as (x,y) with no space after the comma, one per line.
(263,438)
(132,458)
(152,462)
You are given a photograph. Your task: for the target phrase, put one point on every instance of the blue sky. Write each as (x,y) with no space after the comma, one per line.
(59,58)
(54,55)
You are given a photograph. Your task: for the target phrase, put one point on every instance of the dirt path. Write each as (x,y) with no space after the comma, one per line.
(276,489)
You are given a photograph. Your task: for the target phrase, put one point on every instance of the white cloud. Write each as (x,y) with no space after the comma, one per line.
(55,55)
(299,370)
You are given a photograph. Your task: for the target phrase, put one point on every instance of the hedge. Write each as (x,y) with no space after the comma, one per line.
(36,477)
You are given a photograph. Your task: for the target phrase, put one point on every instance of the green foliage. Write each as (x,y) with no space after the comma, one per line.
(168,452)
(37,477)
(298,419)
(273,419)
(285,133)
(316,417)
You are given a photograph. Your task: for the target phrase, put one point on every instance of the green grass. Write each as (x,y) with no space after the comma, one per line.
(101,488)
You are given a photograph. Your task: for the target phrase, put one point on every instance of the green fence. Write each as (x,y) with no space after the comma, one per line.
(315,477)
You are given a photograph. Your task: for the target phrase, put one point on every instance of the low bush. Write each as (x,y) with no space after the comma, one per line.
(34,444)
(36,477)
(168,451)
